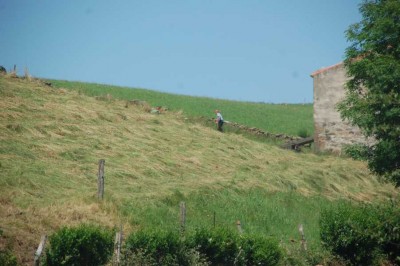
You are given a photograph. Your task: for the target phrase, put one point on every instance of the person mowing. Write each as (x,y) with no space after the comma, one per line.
(219,120)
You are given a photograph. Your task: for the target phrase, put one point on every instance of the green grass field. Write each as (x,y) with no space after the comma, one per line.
(290,119)
(51,140)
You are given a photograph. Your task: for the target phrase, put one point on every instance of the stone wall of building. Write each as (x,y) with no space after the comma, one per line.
(331,133)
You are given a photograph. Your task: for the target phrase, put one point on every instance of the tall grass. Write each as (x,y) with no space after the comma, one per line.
(275,118)
(260,212)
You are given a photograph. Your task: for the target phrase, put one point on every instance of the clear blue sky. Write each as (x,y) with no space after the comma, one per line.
(247,50)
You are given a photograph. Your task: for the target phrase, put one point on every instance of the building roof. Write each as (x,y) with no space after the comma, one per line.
(324,69)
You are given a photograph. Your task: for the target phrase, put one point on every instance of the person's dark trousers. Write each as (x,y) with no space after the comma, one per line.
(220,124)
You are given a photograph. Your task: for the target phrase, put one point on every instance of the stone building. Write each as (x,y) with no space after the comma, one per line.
(330,132)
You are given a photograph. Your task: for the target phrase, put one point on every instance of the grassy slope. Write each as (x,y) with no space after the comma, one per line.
(51,141)
(288,119)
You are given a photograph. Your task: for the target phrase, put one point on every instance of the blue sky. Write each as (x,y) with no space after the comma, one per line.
(246,50)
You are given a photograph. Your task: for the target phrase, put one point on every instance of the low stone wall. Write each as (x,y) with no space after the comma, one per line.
(257,131)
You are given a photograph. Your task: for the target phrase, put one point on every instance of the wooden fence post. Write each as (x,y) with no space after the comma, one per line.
(214,219)
(100,180)
(303,239)
(239,227)
(39,250)
(117,246)
(182,217)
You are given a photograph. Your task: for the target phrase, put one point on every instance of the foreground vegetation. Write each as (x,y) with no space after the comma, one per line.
(366,234)
(52,139)
(355,234)
(91,245)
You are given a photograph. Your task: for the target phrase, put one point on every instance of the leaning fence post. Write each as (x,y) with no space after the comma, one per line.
(100,179)
(39,250)
(239,227)
(303,239)
(117,247)
(182,216)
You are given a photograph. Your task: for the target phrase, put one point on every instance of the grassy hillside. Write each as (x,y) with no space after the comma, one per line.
(51,140)
(290,119)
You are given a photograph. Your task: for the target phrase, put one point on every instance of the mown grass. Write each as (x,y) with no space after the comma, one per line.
(51,141)
(290,119)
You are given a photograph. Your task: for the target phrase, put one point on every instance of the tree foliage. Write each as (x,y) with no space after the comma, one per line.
(373,90)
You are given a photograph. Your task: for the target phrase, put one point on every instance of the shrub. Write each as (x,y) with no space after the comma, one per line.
(83,245)
(136,257)
(203,247)
(389,230)
(154,248)
(220,246)
(225,247)
(7,258)
(363,234)
(259,250)
(357,151)
(350,232)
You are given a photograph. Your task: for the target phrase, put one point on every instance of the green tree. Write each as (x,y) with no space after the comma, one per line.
(372,99)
